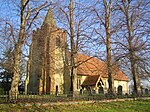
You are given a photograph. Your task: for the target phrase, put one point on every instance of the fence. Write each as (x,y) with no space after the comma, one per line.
(27,98)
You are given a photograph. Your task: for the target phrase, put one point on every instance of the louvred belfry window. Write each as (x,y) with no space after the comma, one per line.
(58,42)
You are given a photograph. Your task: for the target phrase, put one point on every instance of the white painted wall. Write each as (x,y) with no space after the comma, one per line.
(124,85)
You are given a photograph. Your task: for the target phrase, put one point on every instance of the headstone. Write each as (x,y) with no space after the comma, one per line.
(101,90)
(81,91)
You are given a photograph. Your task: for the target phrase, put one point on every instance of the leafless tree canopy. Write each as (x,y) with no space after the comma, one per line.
(116,31)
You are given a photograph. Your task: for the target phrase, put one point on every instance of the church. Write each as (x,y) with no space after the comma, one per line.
(49,60)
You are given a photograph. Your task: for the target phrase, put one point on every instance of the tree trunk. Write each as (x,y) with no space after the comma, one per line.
(73,87)
(15,80)
(13,93)
(28,69)
(137,88)
(108,46)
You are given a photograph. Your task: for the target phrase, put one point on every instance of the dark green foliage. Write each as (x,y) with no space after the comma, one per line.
(5,82)
(1,90)
(6,78)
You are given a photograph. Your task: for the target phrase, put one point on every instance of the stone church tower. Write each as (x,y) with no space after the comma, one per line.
(48,59)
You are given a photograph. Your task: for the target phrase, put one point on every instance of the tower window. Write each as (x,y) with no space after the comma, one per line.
(58,41)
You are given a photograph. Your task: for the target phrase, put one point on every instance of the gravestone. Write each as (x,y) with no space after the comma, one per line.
(81,91)
(101,90)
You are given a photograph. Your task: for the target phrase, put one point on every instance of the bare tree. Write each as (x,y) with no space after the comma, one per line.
(73,16)
(134,30)
(73,50)
(28,14)
(104,18)
(108,11)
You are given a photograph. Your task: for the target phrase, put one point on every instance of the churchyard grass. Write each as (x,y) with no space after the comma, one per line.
(119,106)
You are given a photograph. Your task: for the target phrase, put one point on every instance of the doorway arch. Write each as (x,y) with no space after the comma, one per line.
(119,90)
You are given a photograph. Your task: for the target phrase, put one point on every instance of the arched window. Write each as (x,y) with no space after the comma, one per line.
(120,90)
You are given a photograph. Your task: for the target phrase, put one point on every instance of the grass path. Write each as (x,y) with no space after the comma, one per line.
(142,105)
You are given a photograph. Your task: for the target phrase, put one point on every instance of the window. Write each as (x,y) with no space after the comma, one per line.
(78,83)
(58,41)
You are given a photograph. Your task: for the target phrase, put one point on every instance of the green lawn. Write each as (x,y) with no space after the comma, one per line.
(123,106)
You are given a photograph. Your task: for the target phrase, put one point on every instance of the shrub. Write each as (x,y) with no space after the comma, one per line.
(2,91)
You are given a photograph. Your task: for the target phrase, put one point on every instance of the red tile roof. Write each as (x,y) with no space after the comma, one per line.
(92,66)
